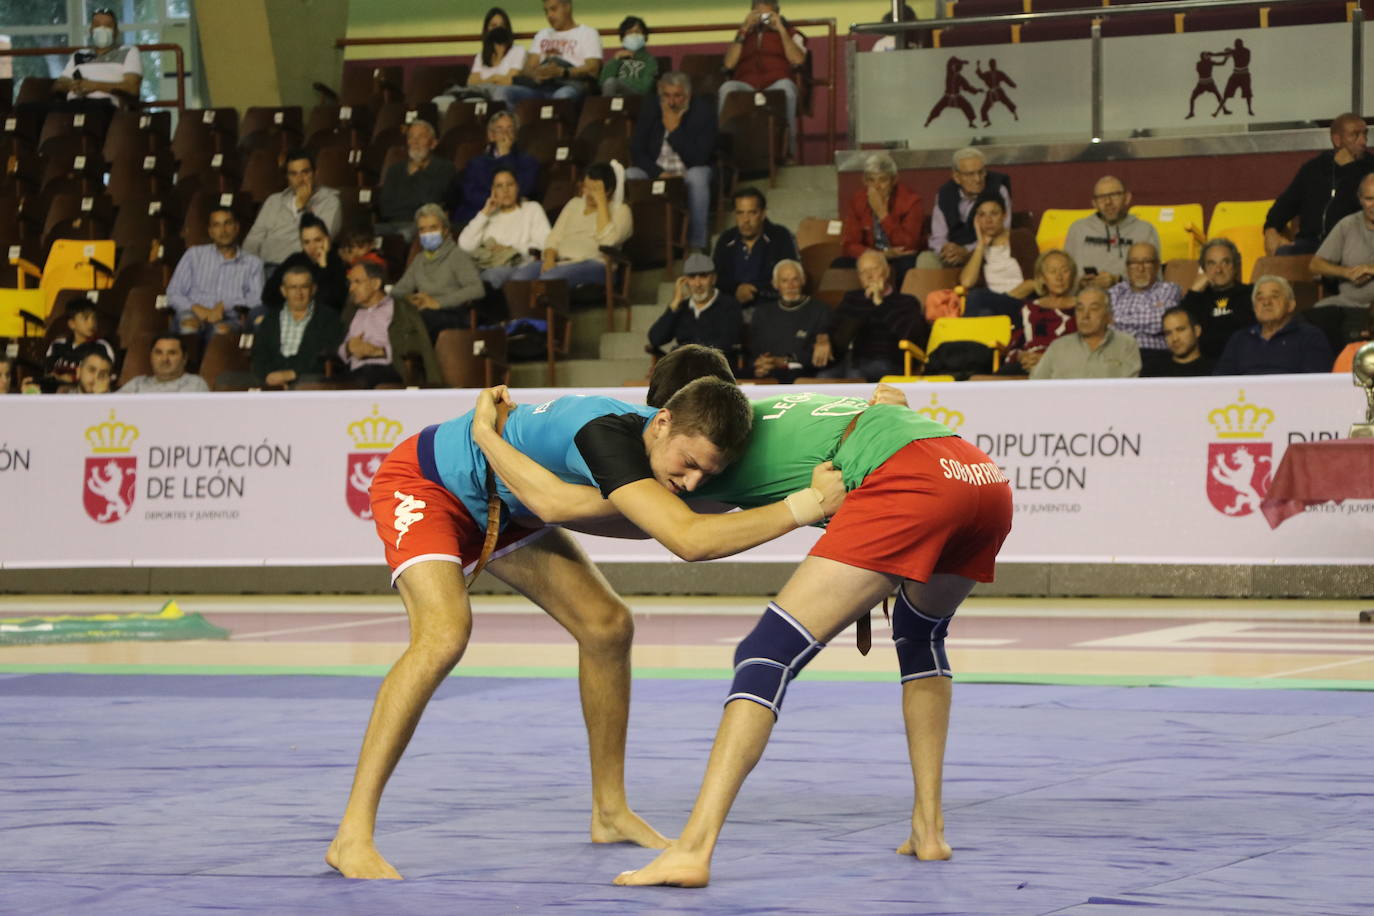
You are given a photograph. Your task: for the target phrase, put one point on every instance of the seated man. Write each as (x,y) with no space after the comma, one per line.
(699,313)
(564,59)
(168,356)
(1323,192)
(633,70)
(952,235)
(676,136)
(91,78)
(783,331)
(442,281)
(1278,342)
(746,254)
(766,54)
(1140,301)
(1182,333)
(94,371)
(1348,255)
(862,337)
(292,343)
(423,178)
(64,354)
(1099,243)
(275,235)
(212,281)
(381,332)
(1096,350)
(1218,301)
(884,215)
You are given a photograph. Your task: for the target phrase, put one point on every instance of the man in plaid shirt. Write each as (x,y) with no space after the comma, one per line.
(1140,301)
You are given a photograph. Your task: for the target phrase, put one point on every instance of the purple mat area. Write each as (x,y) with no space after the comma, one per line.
(167,794)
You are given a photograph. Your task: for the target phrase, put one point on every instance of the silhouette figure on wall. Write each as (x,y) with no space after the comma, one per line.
(994,79)
(1206,61)
(1240,78)
(955,86)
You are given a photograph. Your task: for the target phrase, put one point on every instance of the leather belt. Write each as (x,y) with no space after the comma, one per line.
(493,507)
(863,627)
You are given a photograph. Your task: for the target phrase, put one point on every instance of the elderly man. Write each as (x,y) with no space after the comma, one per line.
(442,281)
(1278,342)
(710,318)
(1348,256)
(1217,300)
(783,331)
(884,215)
(407,186)
(168,357)
(766,54)
(862,336)
(91,78)
(276,233)
(381,332)
(675,136)
(746,255)
(1140,301)
(1099,243)
(1323,192)
(1182,333)
(952,236)
(293,342)
(212,281)
(1097,350)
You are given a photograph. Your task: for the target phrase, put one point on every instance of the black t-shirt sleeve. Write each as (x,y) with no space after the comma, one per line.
(613,447)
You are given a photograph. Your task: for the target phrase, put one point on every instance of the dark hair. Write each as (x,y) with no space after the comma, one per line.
(311,221)
(78,306)
(86,351)
(1180,310)
(373,266)
(750,192)
(908,14)
(986,198)
(301,153)
(602,172)
(511,172)
(687,363)
(715,409)
(161,337)
(355,238)
(497,36)
(630,22)
(298,269)
(220,208)
(491,13)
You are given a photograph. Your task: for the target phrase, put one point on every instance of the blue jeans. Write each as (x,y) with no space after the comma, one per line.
(698,181)
(788,88)
(513,95)
(496,277)
(578,273)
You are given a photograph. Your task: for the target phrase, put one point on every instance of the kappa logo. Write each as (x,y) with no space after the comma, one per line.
(110,476)
(407,514)
(1239,469)
(373,437)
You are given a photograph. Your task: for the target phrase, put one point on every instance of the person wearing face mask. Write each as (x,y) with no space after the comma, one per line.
(441,280)
(319,256)
(598,217)
(423,178)
(633,69)
(92,77)
(699,313)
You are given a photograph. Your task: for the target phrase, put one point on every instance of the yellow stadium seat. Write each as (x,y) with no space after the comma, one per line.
(993,330)
(71,264)
(1179,227)
(1241,221)
(1054,227)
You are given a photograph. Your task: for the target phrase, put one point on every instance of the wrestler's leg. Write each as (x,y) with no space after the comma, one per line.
(824,597)
(440,624)
(555,574)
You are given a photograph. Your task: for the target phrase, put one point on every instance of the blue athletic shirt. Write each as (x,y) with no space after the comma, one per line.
(589,440)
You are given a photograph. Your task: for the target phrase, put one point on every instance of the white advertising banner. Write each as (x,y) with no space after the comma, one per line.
(1151,470)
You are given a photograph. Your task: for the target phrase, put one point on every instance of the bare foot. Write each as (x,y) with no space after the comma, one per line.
(673,867)
(626,827)
(359,859)
(929,847)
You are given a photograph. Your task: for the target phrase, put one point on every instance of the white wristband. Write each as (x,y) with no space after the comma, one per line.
(806,506)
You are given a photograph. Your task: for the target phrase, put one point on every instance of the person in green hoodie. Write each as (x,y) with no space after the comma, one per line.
(633,69)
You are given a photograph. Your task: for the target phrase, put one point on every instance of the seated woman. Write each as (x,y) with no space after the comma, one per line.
(441,280)
(1043,321)
(632,70)
(883,216)
(500,153)
(326,266)
(495,67)
(599,217)
(995,274)
(500,236)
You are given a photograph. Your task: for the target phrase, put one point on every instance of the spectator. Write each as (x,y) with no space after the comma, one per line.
(353,244)
(765,55)
(1323,192)
(902,40)
(407,186)
(885,215)
(632,70)
(1183,334)
(710,318)
(676,136)
(441,281)
(501,152)
(91,78)
(564,58)
(1140,301)
(317,254)
(1276,343)
(599,217)
(169,371)
(783,331)
(995,274)
(503,233)
(1347,254)
(64,354)
(1218,301)
(293,342)
(1099,243)
(500,61)
(862,337)
(94,369)
(1097,350)
(952,237)
(746,255)
(381,332)
(275,235)
(212,281)
(1046,319)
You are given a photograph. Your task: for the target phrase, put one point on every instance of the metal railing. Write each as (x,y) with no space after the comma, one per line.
(179,103)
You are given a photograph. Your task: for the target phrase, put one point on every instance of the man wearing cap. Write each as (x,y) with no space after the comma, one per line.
(699,313)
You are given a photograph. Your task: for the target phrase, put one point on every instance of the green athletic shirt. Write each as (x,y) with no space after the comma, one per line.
(795,432)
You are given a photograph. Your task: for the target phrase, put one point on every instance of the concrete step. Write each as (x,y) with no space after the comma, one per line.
(581,373)
(623,344)
(814,177)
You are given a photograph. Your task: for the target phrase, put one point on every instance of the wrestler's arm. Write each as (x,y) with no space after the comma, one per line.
(550,498)
(621,527)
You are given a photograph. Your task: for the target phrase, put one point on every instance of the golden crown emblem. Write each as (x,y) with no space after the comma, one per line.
(1241,420)
(951,418)
(376,431)
(112,437)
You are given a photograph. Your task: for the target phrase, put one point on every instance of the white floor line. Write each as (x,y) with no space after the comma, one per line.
(317,629)
(1348,661)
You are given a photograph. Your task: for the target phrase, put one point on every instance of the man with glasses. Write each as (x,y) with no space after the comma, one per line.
(1217,300)
(1099,243)
(952,236)
(1140,301)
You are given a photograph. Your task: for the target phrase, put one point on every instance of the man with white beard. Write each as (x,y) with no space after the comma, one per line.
(699,313)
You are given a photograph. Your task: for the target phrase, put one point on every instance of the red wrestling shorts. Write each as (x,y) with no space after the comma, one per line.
(936,506)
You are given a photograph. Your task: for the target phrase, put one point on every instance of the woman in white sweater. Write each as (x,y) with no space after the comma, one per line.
(572,251)
(500,236)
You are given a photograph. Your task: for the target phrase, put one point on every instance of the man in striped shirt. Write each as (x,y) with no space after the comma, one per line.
(212,280)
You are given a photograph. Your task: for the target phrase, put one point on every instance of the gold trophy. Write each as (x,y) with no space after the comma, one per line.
(1363,370)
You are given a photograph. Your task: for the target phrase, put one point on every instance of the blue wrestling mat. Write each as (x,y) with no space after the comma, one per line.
(171,794)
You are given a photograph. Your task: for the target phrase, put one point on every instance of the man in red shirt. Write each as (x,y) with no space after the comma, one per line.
(764,55)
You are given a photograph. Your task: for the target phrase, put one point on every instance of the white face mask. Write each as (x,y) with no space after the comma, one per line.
(102,36)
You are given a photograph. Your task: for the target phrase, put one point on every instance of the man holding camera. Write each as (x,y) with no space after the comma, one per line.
(765,54)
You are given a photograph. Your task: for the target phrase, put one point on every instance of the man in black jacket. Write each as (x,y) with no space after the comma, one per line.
(675,137)
(745,255)
(699,313)
(1323,191)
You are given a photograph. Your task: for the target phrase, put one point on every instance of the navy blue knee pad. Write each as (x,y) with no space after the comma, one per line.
(773,653)
(920,641)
